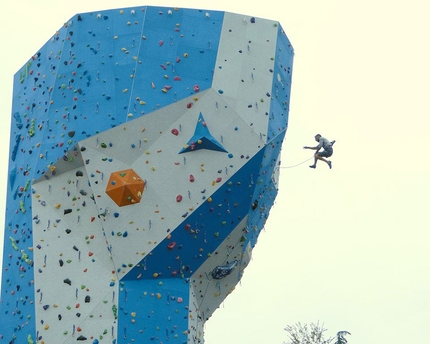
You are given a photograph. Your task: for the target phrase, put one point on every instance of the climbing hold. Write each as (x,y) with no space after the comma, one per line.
(125,187)
(178,198)
(175,131)
(191,178)
(222,271)
(115,311)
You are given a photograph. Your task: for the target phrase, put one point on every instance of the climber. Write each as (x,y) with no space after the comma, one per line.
(326,153)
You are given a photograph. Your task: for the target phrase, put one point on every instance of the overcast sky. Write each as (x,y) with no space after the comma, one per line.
(349,246)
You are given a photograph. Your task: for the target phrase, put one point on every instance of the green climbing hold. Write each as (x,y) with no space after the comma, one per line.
(31,130)
(27,184)
(24,257)
(30,339)
(115,312)
(14,245)
(22,206)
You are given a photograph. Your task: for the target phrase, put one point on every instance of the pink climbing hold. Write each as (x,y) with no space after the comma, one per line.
(218,179)
(191,178)
(189,105)
(160,43)
(171,245)
(163,66)
(177,78)
(196,88)
(175,131)
(178,59)
(178,198)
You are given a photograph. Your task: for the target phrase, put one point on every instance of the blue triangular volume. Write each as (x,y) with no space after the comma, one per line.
(202,139)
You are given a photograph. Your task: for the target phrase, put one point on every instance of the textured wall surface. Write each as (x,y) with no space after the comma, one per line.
(143,165)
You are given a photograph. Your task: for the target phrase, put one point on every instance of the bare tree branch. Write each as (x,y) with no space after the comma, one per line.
(304,334)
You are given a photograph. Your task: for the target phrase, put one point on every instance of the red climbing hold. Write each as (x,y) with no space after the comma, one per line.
(178,198)
(191,178)
(171,245)
(175,131)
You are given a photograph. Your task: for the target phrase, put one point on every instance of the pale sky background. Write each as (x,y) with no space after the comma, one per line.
(349,246)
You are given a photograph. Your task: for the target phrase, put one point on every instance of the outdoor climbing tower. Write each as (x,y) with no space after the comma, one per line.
(144,154)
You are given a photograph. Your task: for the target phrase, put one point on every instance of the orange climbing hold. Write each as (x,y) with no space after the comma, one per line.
(125,187)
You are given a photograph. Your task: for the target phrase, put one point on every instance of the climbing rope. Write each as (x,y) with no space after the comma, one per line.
(296,164)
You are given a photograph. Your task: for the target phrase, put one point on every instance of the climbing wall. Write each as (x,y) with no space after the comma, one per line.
(143,166)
